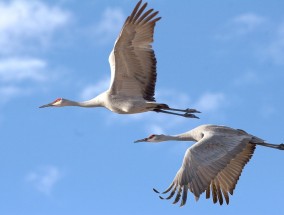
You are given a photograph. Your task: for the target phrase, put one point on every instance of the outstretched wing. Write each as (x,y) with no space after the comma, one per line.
(132,60)
(213,164)
(226,180)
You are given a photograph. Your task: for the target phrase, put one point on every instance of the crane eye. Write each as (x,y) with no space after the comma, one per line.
(151,136)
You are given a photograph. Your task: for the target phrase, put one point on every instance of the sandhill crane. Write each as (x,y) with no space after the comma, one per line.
(213,164)
(133,71)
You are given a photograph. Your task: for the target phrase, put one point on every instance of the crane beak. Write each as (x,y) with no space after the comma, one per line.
(142,140)
(47,105)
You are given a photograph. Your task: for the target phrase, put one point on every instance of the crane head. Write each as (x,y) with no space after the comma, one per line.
(152,138)
(56,103)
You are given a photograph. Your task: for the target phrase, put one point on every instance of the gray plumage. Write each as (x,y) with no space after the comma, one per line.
(213,164)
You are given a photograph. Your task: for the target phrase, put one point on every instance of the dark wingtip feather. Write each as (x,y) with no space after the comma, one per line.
(227,199)
(169,188)
(178,196)
(156,191)
(219,193)
(172,193)
(214,192)
(148,18)
(134,11)
(184,196)
(208,192)
(138,13)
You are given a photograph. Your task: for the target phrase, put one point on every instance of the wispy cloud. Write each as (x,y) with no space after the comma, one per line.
(241,25)
(24,23)
(247,78)
(26,29)
(8,92)
(275,49)
(109,26)
(91,91)
(44,179)
(19,69)
(246,23)
(15,71)
(155,129)
(268,43)
(210,102)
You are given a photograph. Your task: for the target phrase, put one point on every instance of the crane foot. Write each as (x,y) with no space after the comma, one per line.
(190,110)
(189,115)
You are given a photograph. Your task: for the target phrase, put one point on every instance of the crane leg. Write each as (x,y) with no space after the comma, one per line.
(188,110)
(187,115)
(275,146)
(166,107)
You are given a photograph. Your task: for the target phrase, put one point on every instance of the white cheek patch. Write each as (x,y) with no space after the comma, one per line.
(57,103)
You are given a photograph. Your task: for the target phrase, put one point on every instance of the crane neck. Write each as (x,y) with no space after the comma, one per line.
(179,137)
(95,102)
(90,103)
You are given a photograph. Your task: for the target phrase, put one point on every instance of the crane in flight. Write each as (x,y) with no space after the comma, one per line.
(133,71)
(213,164)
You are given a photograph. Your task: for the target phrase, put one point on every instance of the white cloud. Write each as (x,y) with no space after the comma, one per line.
(155,129)
(44,179)
(91,91)
(9,92)
(275,50)
(210,102)
(248,22)
(109,26)
(26,27)
(24,22)
(269,40)
(19,69)
(241,25)
(247,78)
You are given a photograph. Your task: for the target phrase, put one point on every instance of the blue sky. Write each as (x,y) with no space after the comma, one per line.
(225,58)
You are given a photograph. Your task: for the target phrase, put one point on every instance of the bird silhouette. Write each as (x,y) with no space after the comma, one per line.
(213,164)
(133,71)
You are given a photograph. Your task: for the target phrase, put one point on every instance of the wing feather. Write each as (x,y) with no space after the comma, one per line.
(184,195)
(132,60)
(214,164)
(132,15)
(228,177)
